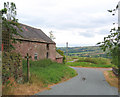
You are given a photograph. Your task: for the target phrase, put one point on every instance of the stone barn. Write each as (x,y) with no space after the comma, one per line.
(59,58)
(36,43)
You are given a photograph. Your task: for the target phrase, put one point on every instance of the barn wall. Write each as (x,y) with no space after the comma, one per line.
(52,52)
(59,60)
(33,48)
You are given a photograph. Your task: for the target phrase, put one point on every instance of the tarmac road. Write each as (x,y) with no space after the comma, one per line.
(89,81)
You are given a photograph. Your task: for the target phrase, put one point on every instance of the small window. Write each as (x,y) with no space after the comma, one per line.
(35,56)
(47,55)
(47,46)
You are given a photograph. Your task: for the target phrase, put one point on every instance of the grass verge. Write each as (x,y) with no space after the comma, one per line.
(91,62)
(87,64)
(95,60)
(111,78)
(43,73)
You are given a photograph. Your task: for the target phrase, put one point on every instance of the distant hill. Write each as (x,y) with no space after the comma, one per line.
(88,51)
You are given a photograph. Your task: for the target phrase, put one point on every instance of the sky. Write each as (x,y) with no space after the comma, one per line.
(78,22)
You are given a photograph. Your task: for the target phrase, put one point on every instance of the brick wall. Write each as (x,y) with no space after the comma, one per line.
(59,60)
(40,49)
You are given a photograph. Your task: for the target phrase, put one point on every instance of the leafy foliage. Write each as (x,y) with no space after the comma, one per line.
(112,42)
(11,61)
(11,67)
(9,22)
(51,35)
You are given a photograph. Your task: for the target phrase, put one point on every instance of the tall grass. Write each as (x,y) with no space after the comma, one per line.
(49,72)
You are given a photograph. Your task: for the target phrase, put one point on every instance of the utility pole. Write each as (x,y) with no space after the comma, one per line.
(66,51)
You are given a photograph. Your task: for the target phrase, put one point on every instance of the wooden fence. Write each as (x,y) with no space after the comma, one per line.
(115,71)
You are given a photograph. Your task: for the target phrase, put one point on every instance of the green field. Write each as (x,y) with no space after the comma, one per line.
(88,51)
(91,62)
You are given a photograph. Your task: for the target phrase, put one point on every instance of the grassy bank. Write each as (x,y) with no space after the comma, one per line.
(49,72)
(111,78)
(42,74)
(91,62)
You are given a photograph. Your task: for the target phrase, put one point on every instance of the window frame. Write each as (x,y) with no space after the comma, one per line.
(36,56)
(47,46)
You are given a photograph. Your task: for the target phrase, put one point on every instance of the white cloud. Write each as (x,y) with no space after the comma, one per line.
(79,22)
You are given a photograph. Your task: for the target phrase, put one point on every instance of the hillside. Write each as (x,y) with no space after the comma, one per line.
(88,51)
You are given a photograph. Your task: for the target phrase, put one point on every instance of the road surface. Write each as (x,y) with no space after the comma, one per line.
(89,81)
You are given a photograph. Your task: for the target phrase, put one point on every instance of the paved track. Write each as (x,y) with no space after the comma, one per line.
(94,84)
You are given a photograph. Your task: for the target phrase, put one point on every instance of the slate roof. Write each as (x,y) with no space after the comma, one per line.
(58,55)
(33,34)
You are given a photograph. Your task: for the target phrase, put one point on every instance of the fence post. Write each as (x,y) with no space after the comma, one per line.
(28,67)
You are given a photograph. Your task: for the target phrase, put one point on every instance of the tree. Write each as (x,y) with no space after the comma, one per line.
(51,35)
(10,10)
(111,43)
(9,23)
(11,61)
